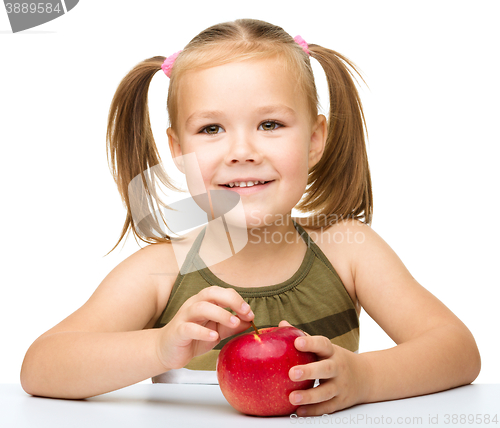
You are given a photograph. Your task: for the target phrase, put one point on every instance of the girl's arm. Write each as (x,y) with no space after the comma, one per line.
(102,346)
(108,343)
(435,350)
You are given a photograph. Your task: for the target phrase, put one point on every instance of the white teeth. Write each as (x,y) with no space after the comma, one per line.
(245,183)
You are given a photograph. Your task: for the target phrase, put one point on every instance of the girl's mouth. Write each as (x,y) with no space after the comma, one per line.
(247,190)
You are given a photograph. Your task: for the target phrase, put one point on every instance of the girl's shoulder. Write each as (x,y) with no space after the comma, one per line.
(162,270)
(164,265)
(338,243)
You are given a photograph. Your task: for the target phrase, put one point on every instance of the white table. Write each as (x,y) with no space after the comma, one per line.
(168,405)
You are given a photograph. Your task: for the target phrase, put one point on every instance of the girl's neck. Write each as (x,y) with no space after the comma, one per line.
(267,247)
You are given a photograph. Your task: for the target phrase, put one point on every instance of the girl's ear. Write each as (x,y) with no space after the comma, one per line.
(318,140)
(175,149)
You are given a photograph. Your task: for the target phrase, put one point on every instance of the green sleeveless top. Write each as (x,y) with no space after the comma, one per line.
(313,300)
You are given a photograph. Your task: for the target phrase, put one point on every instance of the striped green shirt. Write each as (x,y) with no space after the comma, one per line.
(313,299)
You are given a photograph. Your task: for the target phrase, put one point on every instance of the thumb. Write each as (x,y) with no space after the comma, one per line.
(225,332)
(284,324)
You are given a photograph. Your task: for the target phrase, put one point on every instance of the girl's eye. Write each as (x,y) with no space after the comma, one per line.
(270,125)
(211,129)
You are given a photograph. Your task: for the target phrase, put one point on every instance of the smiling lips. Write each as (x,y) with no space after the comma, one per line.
(247,187)
(248,183)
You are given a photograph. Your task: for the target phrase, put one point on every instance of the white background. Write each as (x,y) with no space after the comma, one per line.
(432,110)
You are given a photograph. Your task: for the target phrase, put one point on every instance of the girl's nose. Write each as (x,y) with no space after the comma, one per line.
(243,150)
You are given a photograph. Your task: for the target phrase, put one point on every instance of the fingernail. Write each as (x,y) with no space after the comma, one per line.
(251,314)
(213,334)
(233,320)
(298,373)
(301,343)
(301,412)
(297,398)
(245,307)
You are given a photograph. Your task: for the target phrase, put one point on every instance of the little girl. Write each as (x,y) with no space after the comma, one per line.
(242,100)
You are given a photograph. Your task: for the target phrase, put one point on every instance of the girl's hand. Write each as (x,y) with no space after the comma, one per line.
(341,373)
(200,324)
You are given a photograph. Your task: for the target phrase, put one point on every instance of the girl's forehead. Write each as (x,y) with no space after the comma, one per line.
(238,84)
(252,71)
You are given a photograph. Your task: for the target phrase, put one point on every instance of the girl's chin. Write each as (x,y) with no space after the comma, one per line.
(268,220)
(251,220)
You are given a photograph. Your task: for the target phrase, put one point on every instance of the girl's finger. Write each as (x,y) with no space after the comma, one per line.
(285,323)
(323,369)
(319,394)
(322,408)
(204,311)
(225,332)
(226,298)
(320,345)
(193,331)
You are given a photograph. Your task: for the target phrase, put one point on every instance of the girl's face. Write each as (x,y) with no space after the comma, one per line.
(245,122)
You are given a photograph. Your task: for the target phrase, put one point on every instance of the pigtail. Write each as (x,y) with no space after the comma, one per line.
(131,151)
(340,183)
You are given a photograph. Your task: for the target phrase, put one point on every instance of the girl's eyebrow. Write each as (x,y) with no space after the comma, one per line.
(277,108)
(204,114)
(207,114)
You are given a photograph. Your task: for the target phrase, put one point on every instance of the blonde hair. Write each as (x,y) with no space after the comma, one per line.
(339,185)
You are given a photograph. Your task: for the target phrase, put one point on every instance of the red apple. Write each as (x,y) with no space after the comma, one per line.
(253,371)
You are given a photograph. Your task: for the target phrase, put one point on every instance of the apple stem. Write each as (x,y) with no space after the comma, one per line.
(255,328)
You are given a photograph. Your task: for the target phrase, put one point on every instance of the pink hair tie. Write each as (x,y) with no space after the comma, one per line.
(169,63)
(303,44)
